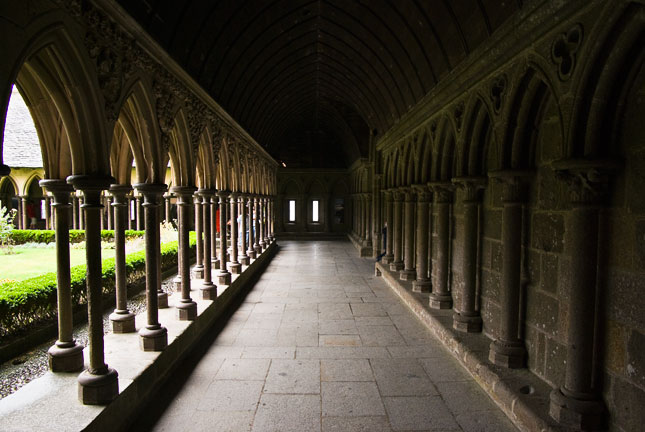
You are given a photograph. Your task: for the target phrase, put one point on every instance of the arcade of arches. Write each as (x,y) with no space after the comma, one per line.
(491,152)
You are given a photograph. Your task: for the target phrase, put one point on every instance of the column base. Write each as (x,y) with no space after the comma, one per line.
(408,275)
(155,339)
(422,285)
(95,389)
(122,321)
(263,244)
(579,414)
(223,278)
(396,266)
(510,355)
(235,268)
(186,310)
(251,254)
(198,272)
(162,300)
(387,259)
(65,357)
(243,259)
(440,301)
(257,249)
(209,291)
(467,324)
(215,264)
(176,283)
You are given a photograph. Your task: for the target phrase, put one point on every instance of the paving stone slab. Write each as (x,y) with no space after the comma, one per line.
(345,399)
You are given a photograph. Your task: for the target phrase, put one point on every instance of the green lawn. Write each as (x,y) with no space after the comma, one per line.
(29,262)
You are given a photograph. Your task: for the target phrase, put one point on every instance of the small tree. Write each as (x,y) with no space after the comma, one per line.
(6,226)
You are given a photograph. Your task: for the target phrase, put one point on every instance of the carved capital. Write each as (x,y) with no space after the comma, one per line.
(443,191)
(423,192)
(471,186)
(514,184)
(587,180)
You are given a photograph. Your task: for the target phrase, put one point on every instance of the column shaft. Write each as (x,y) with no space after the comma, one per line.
(409,272)
(198,270)
(224,276)
(208,289)
(186,308)
(234,265)
(389,229)
(251,250)
(422,282)
(441,298)
(243,257)
(397,228)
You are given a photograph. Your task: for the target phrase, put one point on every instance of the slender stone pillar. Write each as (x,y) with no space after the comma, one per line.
(186,308)
(198,270)
(65,355)
(261,221)
(388,258)
(167,206)
(422,282)
(367,229)
(578,402)
(224,276)
(377,226)
(466,316)
(208,288)
(397,228)
(154,337)
(258,235)
(131,225)
(234,266)
(109,213)
(214,221)
(272,219)
(251,250)
(243,258)
(440,298)
(266,222)
(138,206)
(75,213)
(122,319)
(409,272)
(98,384)
(48,217)
(509,350)
(24,217)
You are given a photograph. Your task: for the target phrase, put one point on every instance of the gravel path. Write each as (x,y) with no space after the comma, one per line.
(17,372)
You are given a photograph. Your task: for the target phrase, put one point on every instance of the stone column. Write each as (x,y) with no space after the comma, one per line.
(408,273)
(130,221)
(74,211)
(167,205)
(98,384)
(258,234)
(251,250)
(65,355)
(154,337)
(466,316)
(243,258)
(198,270)
(388,258)
(186,308)
(397,228)
(48,217)
(367,229)
(272,219)
(508,350)
(122,319)
(23,220)
(214,221)
(578,402)
(234,266)
(267,240)
(440,298)
(224,276)
(208,288)
(110,214)
(139,213)
(377,226)
(422,282)
(262,235)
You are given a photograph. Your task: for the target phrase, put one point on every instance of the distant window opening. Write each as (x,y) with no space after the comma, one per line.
(292,210)
(314,211)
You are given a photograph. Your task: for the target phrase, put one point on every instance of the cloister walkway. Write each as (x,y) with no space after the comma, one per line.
(319,343)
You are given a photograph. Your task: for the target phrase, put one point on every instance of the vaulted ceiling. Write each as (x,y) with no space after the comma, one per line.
(311,79)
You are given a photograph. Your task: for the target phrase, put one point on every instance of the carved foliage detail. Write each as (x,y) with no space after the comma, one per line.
(565,49)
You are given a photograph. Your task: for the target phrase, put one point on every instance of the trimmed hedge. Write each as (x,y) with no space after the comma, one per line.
(75,236)
(27,303)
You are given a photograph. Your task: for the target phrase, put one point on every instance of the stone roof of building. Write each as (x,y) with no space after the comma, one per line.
(21,148)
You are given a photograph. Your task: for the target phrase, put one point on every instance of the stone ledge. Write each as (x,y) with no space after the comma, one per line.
(363,251)
(522,396)
(51,402)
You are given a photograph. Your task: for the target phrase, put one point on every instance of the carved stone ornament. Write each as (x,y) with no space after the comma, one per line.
(564,51)
(471,186)
(587,180)
(514,183)
(497,92)
(443,191)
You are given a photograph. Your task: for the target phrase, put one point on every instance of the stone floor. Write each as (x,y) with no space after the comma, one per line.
(321,344)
